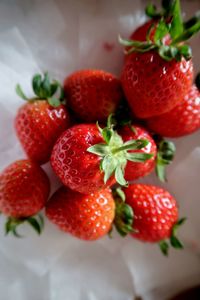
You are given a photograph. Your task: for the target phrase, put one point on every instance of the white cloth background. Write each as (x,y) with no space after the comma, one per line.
(62,36)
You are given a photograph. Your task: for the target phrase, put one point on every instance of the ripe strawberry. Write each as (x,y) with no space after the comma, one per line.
(77,168)
(92,94)
(24,190)
(155,215)
(135,170)
(85,157)
(88,217)
(154,86)
(159,71)
(181,120)
(41,120)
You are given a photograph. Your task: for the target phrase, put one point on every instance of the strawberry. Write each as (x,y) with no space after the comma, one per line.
(182,120)
(88,217)
(154,86)
(92,94)
(159,71)
(134,170)
(155,215)
(41,120)
(24,190)
(77,168)
(85,157)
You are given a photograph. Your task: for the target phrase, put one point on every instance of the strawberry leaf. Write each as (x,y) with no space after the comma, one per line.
(106,133)
(160,171)
(119,176)
(35,224)
(176,27)
(120,193)
(111,121)
(20,93)
(165,155)
(195,19)
(124,214)
(169,52)
(129,43)
(175,242)
(131,145)
(11,226)
(185,51)
(41,221)
(46,86)
(187,34)
(54,102)
(151,11)
(99,149)
(109,165)
(139,157)
(179,223)
(161,31)
(136,144)
(54,86)
(36,84)
(164,247)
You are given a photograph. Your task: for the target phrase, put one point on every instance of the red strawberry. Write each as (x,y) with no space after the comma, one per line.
(41,120)
(158,73)
(181,120)
(155,214)
(77,168)
(134,170)
(85,157)
(24,190)
(154,86)
(92,94)
(88,217)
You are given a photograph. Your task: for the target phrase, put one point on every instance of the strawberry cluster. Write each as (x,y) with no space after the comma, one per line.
(101,134)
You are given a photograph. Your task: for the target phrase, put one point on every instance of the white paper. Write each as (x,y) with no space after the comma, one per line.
(63,36)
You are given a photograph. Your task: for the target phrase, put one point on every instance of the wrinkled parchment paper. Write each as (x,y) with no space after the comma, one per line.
(63,36)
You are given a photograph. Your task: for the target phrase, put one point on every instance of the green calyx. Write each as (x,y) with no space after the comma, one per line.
(173,241)
(165,155)
(170,23)
(115,153)
(36,222)
(44,89)
(123,214)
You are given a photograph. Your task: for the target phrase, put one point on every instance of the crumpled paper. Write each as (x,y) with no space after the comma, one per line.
(63,36)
